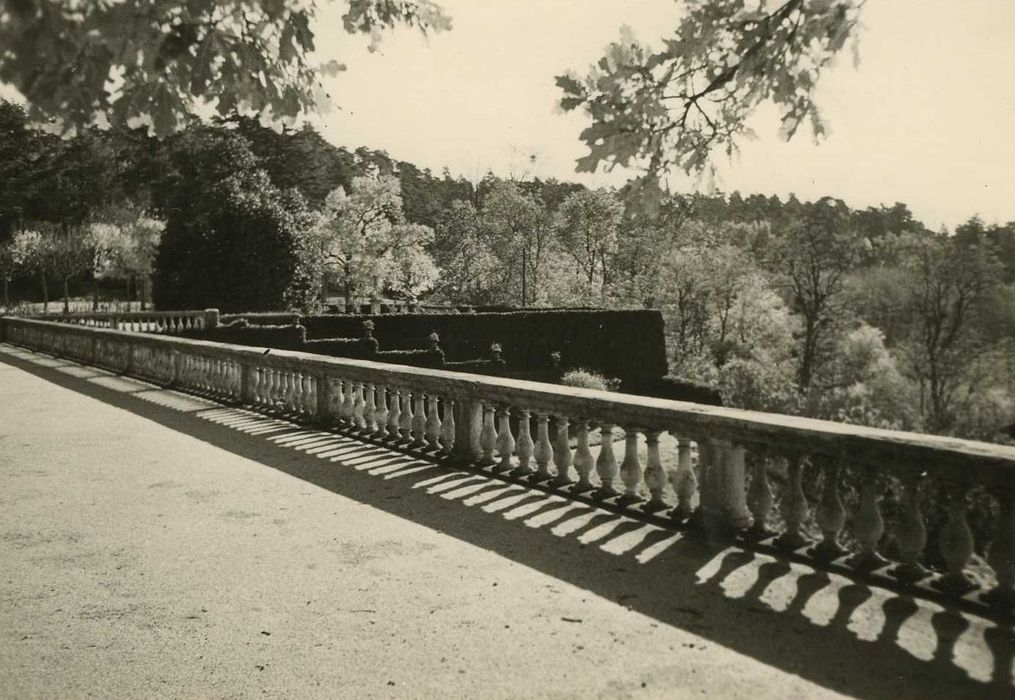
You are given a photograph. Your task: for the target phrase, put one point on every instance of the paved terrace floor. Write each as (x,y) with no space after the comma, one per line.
(154,544)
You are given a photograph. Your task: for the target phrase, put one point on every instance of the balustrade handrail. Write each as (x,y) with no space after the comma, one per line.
(720,481)
(878,448)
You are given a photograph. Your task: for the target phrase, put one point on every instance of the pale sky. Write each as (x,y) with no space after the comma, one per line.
(926,119)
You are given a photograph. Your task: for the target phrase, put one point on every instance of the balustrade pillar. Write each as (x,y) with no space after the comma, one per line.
(562,452)
(723,494)
(488,435)
(323,415)
(524,446)
(405,427)
(449,431)
(868,526)
(630,468)
(469,425)
(655,475)
(831,514)
(395,414)
(1001,555)
(584,463)
(759,495)
(432,429)
(606,462)
(794,506)
(505,440)
(419,421)
(956,542)
(543,450)
(369,408)
(381,413)
(683,480)
(910,534)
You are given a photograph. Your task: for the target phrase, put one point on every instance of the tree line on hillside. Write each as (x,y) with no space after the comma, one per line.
(810,308)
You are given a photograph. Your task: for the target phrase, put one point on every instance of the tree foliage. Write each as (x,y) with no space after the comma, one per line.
(136,61)
(673,106)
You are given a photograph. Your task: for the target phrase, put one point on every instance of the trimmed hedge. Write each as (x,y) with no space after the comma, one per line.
(623,344)
(413,358)
(278,337)
(266,318)
(670,387)
(358,348)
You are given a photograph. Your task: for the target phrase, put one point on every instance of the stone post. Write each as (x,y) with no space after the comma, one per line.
(211,319)
(468,428)
(723,493)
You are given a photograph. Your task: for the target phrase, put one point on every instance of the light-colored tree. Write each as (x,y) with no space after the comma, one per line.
(521,232)
(588,228)
(365,243)
(812,258)
(470,273)
(947,281)
(29,252)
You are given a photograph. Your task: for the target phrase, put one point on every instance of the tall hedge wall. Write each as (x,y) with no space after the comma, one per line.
(625,344)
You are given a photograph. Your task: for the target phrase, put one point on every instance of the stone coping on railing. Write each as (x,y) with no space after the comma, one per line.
(488,421)
(880,448)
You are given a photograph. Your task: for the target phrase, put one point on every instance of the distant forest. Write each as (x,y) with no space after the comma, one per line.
(812,308)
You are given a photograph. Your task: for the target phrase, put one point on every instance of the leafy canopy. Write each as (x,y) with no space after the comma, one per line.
(673,107)
(155,62)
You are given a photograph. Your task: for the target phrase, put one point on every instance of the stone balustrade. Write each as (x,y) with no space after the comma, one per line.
(142,321)
(860,501)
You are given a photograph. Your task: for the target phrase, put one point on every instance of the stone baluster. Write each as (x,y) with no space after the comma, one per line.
(868,526)
(683,480)
(381,411)
(324,393)
(584,463)
(405,428)
(395,414)
(346,410)
(956,542)
(448,427)
(830,513)
(562,453)
(419,421)
(432,429)
(910,533)
(488,435)
(524,446)
(309,395)
(794,506)
(289,393)
(630,467)
(543,450)
(505,440)
(606,462)
(369,408)
(359,404)
(759,494)
(655,475)
(1001,555)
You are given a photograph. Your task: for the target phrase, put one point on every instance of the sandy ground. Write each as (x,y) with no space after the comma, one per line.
(158,545)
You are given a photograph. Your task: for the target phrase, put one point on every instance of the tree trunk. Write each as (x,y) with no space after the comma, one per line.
(95,292)
(45,292)
(7,298)
(525,260)
(66,296)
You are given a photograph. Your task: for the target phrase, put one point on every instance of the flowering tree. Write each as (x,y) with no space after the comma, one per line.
(365,242)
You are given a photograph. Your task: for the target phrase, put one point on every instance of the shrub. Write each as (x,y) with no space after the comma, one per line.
(583,379)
